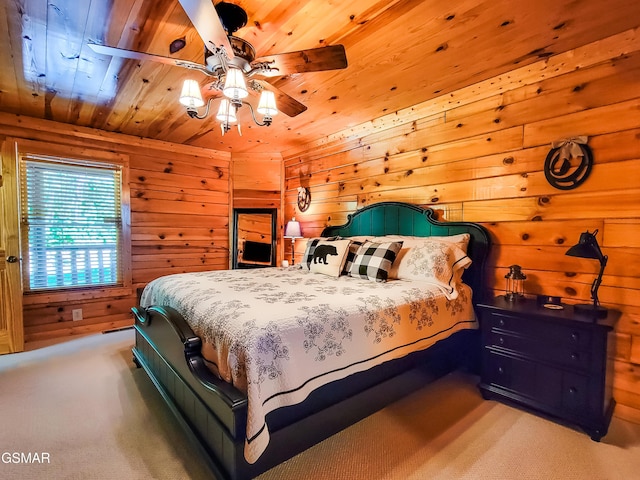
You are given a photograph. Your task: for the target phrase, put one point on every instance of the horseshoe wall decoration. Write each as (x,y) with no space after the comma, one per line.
(304,198)
(561,168)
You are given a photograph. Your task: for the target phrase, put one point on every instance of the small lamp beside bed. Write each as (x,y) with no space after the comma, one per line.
(292,230)
(588,247)
(515,283)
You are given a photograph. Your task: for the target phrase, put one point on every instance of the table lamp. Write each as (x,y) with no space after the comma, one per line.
(588,247)
(292,231)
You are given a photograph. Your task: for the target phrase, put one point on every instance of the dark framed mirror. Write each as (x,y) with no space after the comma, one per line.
(254,237)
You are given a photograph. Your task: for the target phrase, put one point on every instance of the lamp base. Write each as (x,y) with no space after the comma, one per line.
(589,309)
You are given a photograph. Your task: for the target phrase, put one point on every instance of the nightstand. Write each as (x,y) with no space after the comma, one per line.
(553,362)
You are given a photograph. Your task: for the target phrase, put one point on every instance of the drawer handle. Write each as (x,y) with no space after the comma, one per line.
(575,336)
(575,356)
(501,322)
(501,341)
(573,390)
(500,370)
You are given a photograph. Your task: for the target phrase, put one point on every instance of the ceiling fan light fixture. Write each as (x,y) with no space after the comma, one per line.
(235,85)
(233,63)
(267,105)
(190,96)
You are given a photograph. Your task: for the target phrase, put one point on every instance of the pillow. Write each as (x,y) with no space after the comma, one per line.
(461,240)
(359,238)
(329,257)
(351,255)
(311,246)
(373,260)
(436,262)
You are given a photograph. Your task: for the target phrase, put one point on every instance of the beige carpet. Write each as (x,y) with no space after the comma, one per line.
(98,417)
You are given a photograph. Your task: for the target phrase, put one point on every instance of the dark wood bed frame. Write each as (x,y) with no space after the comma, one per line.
(213,412)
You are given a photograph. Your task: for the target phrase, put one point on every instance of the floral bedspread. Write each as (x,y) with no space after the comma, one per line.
(279,333)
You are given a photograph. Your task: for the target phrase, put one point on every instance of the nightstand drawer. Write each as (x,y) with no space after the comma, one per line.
(575,392)
(541,385)
(545,387)
(541,350)
(510,373)
(576,338)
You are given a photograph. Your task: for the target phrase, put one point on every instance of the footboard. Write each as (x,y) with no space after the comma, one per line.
(212,411)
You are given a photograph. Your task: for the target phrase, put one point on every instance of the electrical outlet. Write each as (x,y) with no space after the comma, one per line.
(76,314)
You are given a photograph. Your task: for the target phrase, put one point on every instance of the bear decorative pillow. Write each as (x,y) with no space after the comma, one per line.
(435,262)
(328,257)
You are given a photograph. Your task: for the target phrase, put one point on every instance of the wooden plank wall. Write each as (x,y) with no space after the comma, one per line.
(477,154)
(179,221)
(257,183)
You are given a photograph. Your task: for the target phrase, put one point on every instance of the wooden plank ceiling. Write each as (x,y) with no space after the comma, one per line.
(400,53)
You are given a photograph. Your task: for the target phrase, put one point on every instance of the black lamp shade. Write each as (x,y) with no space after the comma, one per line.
(588,247)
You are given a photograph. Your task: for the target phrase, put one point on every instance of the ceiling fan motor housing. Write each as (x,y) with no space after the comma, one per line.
(232,17)
(243,52)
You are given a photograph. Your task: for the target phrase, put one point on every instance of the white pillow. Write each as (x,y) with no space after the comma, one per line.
(329,257)
(437,262)
(461,240)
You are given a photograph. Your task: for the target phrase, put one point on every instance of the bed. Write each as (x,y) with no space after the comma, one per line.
(220,416)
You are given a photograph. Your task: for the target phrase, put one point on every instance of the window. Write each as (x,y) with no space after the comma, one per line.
(72,228)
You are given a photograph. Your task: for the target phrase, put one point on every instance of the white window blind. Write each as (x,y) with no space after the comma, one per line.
(71,223)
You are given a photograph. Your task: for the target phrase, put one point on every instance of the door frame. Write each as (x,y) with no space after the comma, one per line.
(11,316)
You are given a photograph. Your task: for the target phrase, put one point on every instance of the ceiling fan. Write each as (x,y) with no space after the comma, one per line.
(226,53)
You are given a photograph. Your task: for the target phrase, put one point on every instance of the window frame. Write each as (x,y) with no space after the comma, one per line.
(79,156)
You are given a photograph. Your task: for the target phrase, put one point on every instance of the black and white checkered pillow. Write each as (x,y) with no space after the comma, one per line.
(351,256)
(373,260)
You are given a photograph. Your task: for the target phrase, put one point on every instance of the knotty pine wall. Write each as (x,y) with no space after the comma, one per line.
(477,154)
(179,198)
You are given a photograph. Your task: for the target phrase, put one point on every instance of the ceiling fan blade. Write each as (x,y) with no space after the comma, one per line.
(121,52)
(205,19)
(286,103)
(312,60)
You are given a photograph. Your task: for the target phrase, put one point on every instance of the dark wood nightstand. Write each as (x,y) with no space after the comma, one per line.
(555,362)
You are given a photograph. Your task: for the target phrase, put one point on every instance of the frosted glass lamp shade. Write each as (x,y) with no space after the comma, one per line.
(191,96)
(267,105)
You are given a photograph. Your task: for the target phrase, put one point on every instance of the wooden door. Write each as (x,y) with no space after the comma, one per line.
(11,329)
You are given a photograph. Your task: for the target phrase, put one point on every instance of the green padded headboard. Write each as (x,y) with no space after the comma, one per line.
(396,218)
